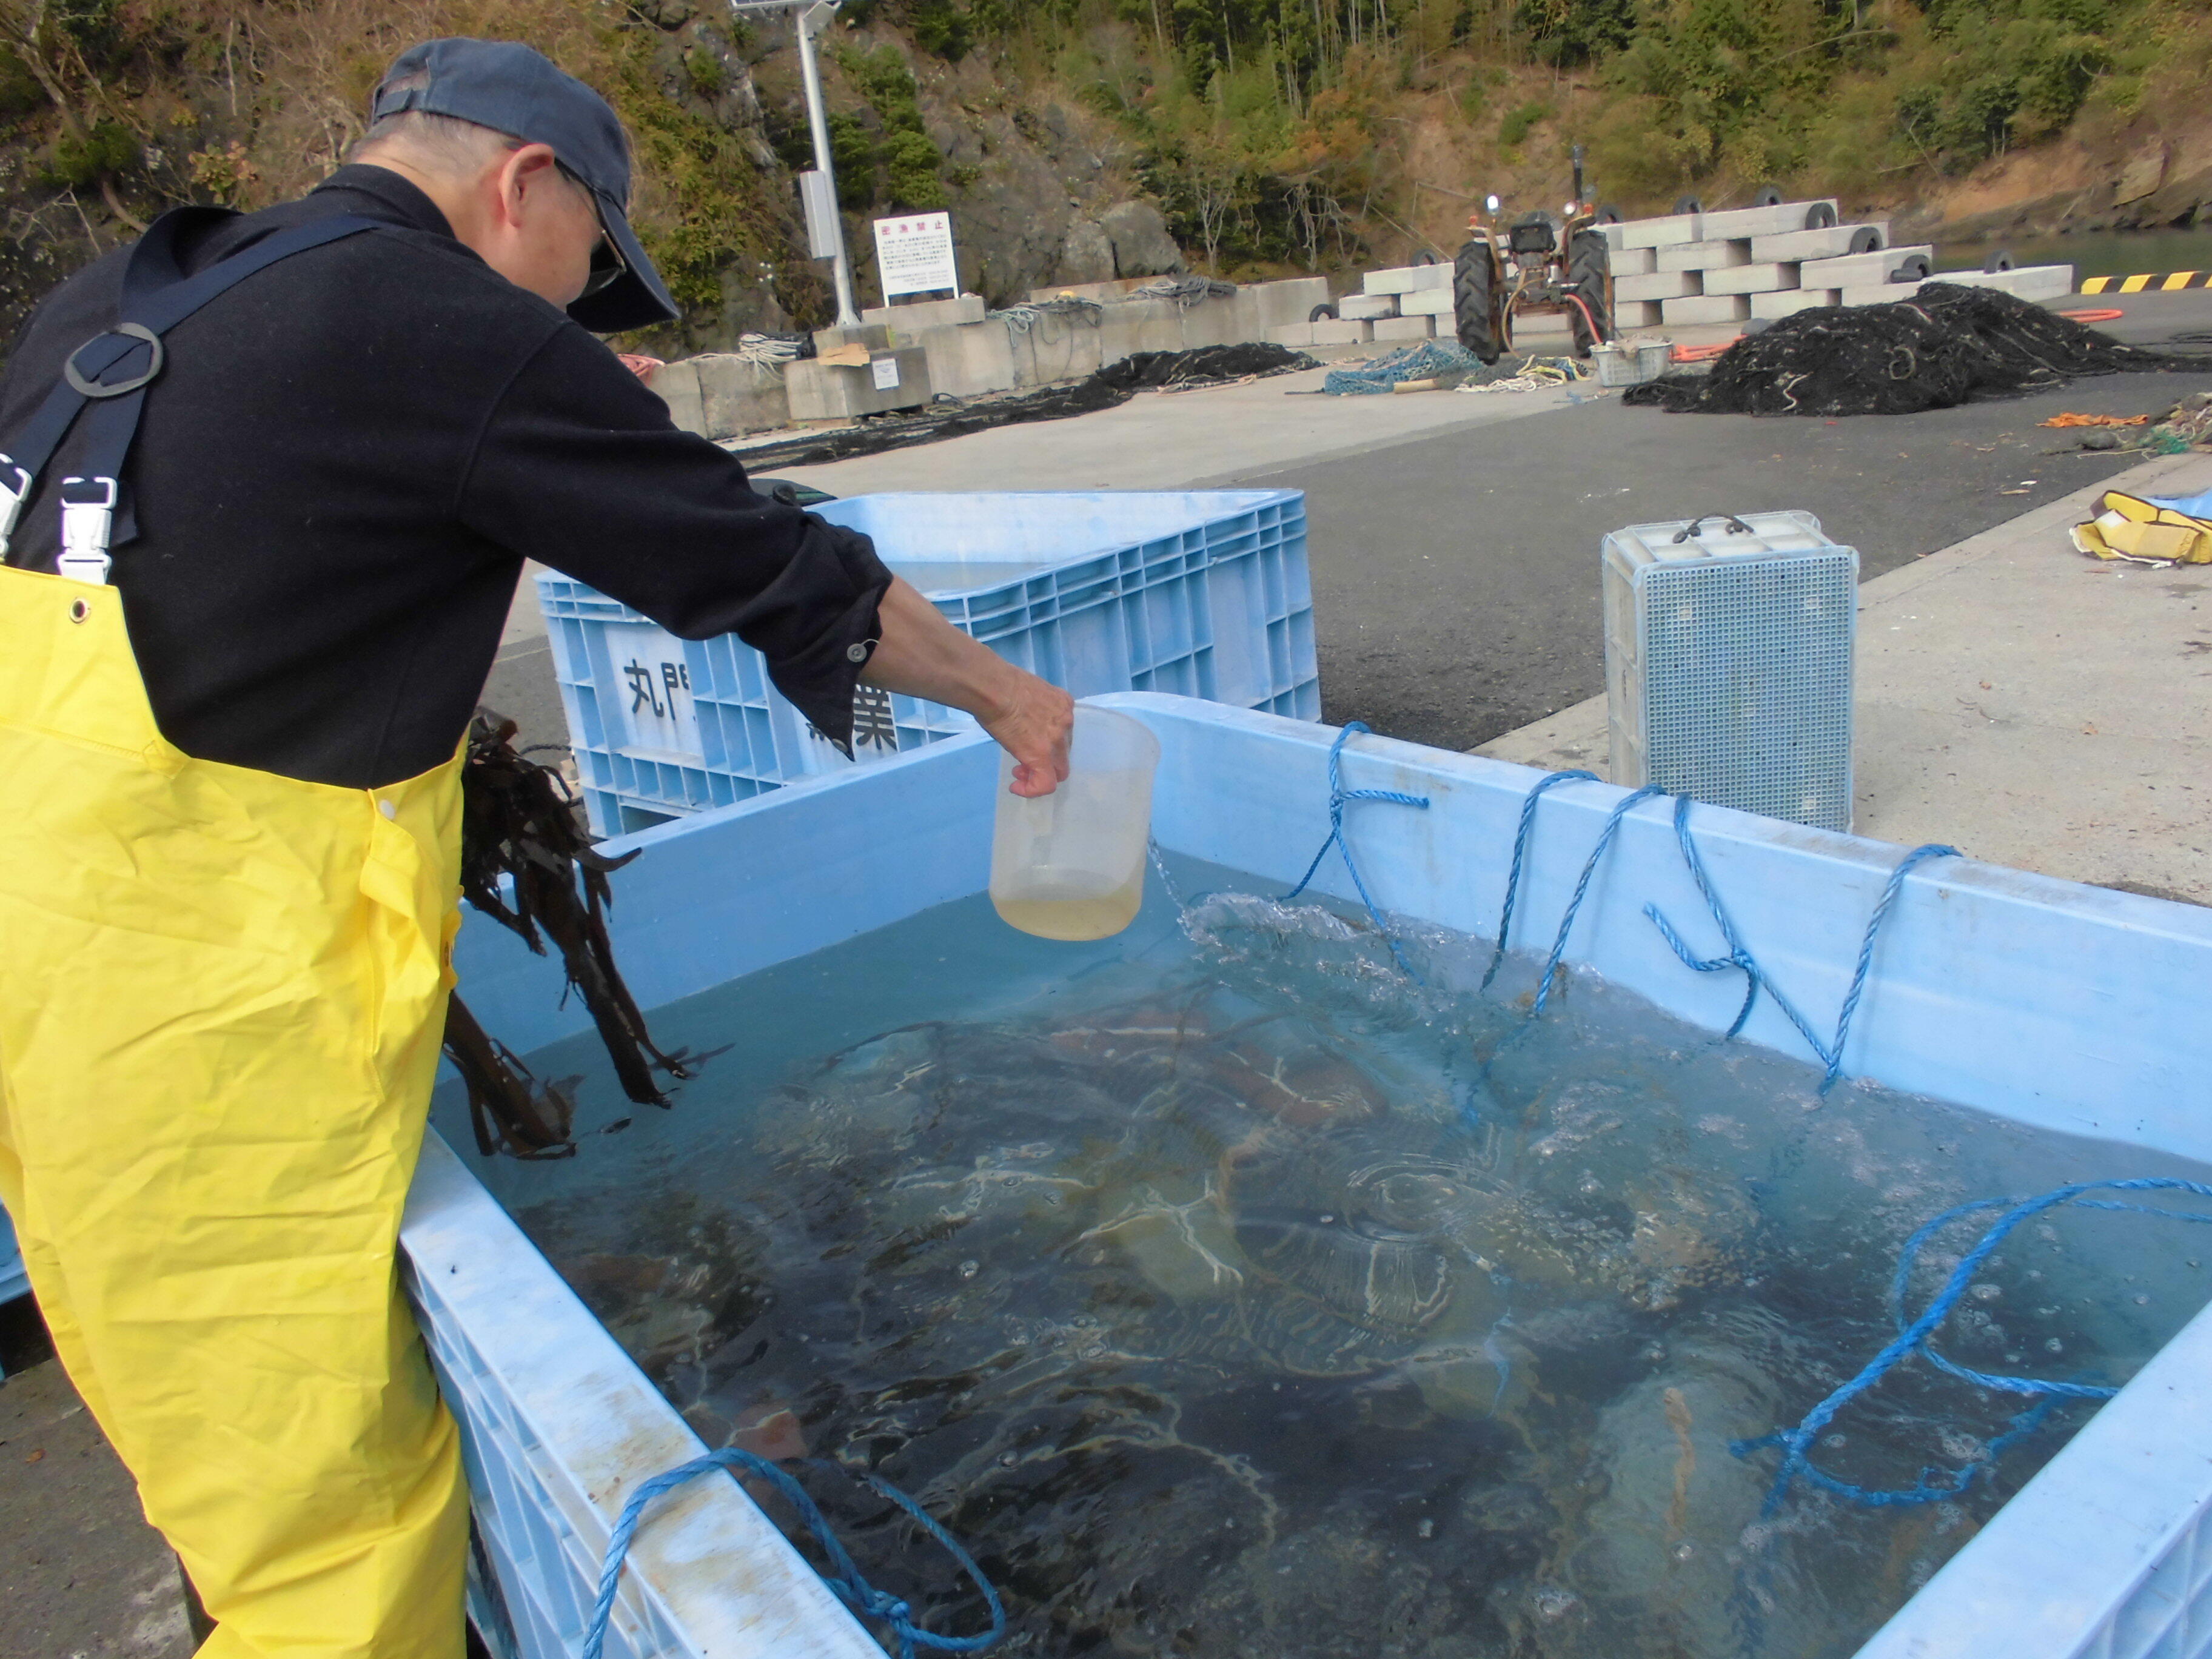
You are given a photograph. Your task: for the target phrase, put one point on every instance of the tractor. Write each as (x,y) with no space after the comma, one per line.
(1540,263)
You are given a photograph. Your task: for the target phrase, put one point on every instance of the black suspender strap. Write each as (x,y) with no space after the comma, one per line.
(112,371)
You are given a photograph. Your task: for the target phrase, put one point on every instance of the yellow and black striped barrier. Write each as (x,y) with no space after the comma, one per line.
(2171,282)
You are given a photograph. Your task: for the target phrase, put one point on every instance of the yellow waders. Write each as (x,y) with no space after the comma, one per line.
(220,998)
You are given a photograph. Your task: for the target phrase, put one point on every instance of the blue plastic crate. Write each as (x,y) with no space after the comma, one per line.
(1202,593)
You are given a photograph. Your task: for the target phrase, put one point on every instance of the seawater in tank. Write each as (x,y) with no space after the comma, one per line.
(1227,1292)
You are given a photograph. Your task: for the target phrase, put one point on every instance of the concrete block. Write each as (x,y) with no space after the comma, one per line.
(1261,306)
(966,359)
(1636,314)
(1067,348)
(1707,308)
(1428,302)
(738,395)
(1404,328)
(1825,244)
(1859,269)
(1659,285)
(1407,279)
(1879,294)
(1792,301)
(1668,232)
(1344,331)
(1297,335)
(1752,279)
(820,392)
(1633,261)
(926,313)
(1366,307)
(1613,234)
(874,336)
(1759,221)
(1533,324)
(677,385)
(2029,282)
(1705,256)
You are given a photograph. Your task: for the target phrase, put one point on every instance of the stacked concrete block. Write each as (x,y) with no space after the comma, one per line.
(927,313)
(1343,331)
(1261,306)
(1752,279)
(1668,231)
(1426,303)
(1779,220)
(825,391)
(1366,307)
(1531,325)
(1407,279)
(1634,261)
(1703,256)
(1772,306)
(1827,243)
(1296,335)
(1636,314)
(1659,285)
(1707,308)
(1879,294)
(1858,269)
(1397,330)
(966,359)
(874,336)
(2027,282)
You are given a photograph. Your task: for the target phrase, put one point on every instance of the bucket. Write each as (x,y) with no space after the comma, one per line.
(1070,864)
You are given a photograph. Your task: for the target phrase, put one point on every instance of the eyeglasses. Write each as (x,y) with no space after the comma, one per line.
(608,265)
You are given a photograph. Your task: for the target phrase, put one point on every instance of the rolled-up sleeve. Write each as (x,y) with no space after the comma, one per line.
(579,468)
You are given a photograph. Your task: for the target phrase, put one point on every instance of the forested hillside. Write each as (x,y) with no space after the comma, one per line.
(1274,134)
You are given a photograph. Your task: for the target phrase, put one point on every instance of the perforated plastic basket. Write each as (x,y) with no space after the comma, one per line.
(1203,593)
(1729,650)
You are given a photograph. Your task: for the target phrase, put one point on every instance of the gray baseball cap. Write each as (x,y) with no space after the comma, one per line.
(512,88)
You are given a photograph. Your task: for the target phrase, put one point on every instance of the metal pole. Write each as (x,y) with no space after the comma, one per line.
(812,21)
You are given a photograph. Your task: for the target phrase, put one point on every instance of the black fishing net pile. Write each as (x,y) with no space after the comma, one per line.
(1945,346)
(1105,388)
(1245,361)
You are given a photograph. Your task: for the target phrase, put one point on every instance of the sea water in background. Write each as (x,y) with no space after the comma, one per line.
(1226,1293)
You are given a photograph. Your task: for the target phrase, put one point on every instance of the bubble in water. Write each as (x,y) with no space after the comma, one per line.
(1326,1219)
(2052,1345)
(2141,1300)
(968,1269)
(1986,1292)
(1835,1440)
(1685,1550)
(1006,1460)
(1427,1528)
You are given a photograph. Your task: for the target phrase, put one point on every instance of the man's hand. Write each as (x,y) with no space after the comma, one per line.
(1033,726)
(922,655)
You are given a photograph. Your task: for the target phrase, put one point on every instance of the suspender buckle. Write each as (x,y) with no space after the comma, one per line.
(86,526)
(14,486)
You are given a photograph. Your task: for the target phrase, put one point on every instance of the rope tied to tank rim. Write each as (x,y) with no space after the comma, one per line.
(1738,955)
(1339,799)
(845,1579)
(1913,1336)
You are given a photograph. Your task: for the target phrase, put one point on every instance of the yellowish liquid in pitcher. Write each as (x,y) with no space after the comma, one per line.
(1074,912)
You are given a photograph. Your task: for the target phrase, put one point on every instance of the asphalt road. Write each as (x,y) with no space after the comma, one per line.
(1455,578)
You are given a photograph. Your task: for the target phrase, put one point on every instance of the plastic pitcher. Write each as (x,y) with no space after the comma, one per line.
(1070,864)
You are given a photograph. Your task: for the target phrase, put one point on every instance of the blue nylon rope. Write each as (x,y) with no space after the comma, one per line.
(1582,890)
(1830,1051)
(1520,856)
(1338,796)
(845,1579)
(1912,1337)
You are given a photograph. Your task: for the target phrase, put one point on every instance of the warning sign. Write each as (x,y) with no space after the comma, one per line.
(915,254)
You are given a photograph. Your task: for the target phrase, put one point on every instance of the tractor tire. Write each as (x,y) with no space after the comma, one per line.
(1474,302)
(1323,312)
(1767,196)
(1688,204)
(2000,260)
(1589,266)
(1609,215)
(1819,216)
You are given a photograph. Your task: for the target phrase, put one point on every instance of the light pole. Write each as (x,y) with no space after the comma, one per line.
(814,17)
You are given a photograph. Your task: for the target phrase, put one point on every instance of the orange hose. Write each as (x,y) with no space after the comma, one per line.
(1699,354)
(2110,315)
